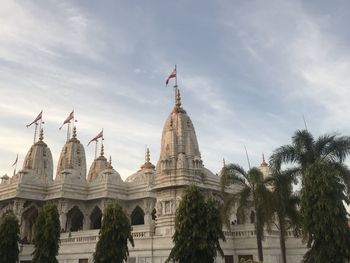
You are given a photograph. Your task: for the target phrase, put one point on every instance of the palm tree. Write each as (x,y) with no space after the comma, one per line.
(304,151)
(252,193)
(285,204)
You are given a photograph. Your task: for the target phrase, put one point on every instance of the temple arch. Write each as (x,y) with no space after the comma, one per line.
(137,216)
(75,219)
(96,218)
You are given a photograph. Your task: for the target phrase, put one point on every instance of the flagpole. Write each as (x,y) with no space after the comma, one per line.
(14,172)
(175,86)
(68,128)
(96,149)
(35,131)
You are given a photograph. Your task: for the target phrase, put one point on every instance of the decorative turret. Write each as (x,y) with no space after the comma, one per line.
(73,156)
(146,174)
(98,165)
(39,160)
(147,164)
(264,167)
(179,146)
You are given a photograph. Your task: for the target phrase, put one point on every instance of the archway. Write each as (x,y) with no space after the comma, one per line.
(137,216)
(75,219)
(29,219)
(95,218)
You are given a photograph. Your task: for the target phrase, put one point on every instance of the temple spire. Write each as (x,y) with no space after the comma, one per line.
(147,164)
(263,161)
(41,135)
(102,149)
(147,158)
(178,98)
(74,132)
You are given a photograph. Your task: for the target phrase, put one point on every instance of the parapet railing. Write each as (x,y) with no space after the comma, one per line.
(91,236)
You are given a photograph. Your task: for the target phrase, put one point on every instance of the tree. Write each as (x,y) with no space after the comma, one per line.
(114,235)
(324,214)
(252,193)
(285,204)
(46,235)
(9,238)
(198,228)
(306,152)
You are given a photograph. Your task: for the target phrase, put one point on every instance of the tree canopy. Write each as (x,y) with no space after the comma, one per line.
(198,229)
(9,238)
(324,215)
(114,235)
(47,235)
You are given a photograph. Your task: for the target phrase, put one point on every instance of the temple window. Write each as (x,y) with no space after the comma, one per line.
(137,216)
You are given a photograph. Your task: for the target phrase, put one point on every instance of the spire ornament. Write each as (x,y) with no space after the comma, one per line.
(41,135)
(147,164)
(263,161)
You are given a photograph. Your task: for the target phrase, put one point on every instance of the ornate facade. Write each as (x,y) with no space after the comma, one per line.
(150,197)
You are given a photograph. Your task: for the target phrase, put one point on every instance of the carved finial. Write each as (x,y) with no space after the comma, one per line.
(74,132)
(109,165)
(147,164)
(178,99)
(147,158)
(263,161)
(102,150)
(41,135)
(223,162)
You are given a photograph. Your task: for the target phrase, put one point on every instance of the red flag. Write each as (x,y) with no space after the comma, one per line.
(36,119)
(98,136)
(68,119)
(15,161)
(172,75)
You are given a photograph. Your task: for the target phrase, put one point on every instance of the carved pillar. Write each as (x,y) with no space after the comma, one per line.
(63,210)
(87,221)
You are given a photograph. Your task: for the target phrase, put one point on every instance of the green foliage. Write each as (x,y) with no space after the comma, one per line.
(325,185)
(253,194)
(285,204)
(114,236)
(198,228)
(324,215)
(46,235)
(9,238)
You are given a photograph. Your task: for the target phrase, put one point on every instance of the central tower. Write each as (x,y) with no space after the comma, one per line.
(179,165)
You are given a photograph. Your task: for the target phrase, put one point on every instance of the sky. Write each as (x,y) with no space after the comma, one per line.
(248,71)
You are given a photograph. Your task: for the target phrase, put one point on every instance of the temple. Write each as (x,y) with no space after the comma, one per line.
(150,197)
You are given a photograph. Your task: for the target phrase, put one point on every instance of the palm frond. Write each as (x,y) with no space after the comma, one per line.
(283,154)
(337,150)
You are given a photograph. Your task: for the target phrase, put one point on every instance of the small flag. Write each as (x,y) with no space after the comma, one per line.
(68,119)
(36,119)
(15,161)
(98,136)
(172,75)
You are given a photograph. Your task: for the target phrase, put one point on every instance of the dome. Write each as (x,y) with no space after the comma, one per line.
(179,140)
(97,166)
(73,156)
(103,171)
(39,159)
(145,174)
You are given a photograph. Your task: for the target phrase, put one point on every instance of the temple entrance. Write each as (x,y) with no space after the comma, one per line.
(96,218)
(137,216)
(75,219)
